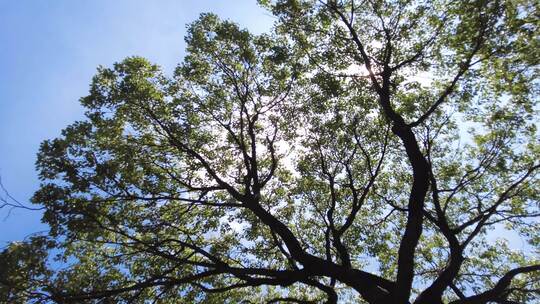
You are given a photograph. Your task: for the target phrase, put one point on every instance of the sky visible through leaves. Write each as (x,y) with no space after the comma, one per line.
(50,50)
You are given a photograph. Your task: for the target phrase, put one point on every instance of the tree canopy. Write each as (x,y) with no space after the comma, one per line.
(363,151)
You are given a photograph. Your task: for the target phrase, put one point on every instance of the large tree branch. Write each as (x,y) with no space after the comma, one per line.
(420,185)
(369,285)
(434,292)
(500,291)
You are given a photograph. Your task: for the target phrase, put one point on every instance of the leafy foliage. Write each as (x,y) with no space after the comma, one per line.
(363,151)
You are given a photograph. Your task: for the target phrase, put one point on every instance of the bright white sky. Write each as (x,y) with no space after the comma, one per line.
(49,50)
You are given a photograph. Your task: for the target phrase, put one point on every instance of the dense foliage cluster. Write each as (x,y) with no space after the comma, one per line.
(363,151)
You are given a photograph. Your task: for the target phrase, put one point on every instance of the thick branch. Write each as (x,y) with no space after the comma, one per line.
(500,289)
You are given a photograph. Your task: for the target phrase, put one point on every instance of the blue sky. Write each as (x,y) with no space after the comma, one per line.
(49,50)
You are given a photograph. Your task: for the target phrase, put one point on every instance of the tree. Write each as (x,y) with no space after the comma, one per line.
(363,151)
